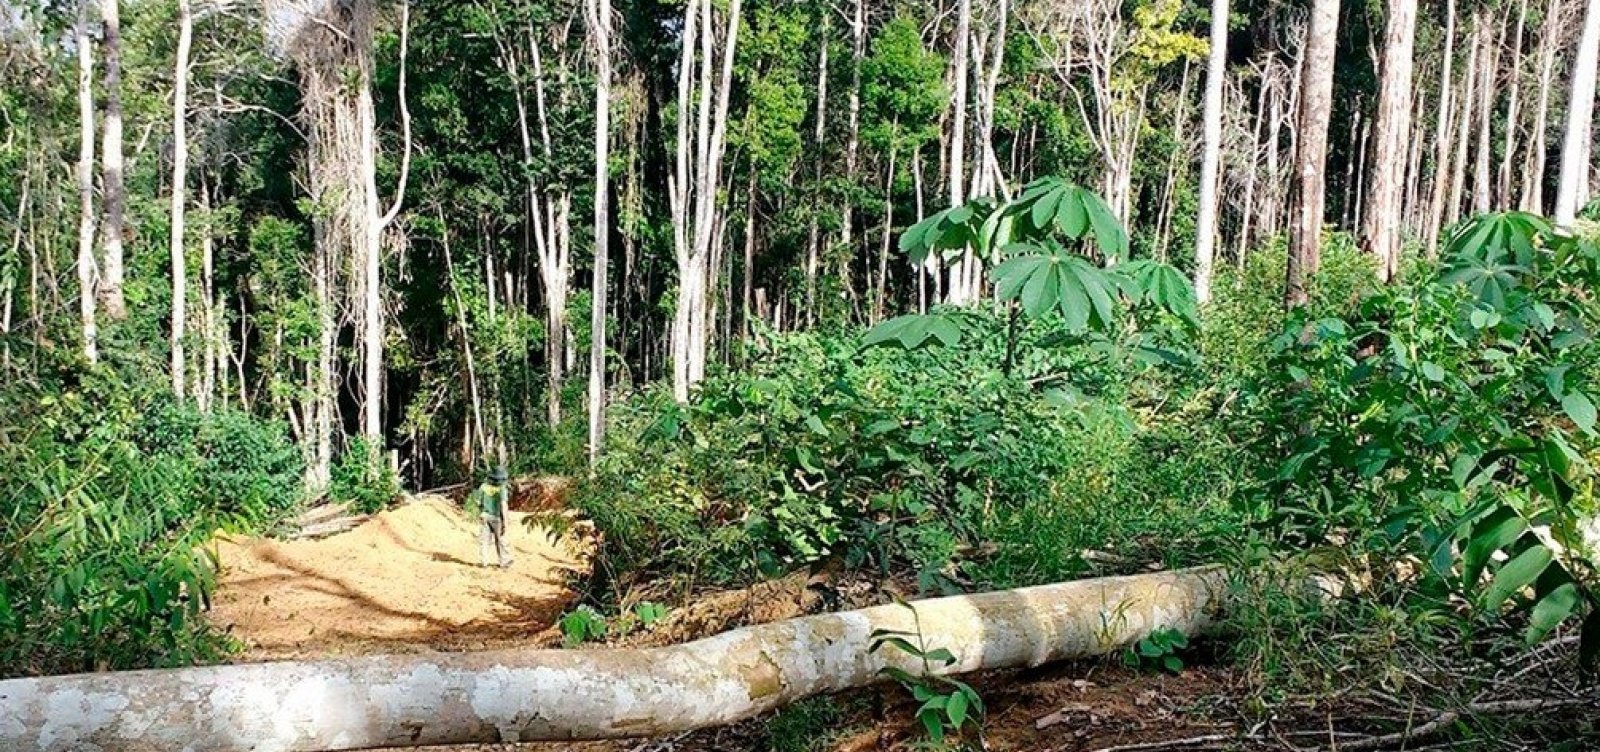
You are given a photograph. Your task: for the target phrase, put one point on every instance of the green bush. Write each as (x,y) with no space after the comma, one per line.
(361,479)
(946,461)
(110,496)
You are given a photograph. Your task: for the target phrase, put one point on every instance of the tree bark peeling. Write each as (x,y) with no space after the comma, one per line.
(532,695)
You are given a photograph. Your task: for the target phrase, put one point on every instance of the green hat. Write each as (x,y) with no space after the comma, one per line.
(497,474)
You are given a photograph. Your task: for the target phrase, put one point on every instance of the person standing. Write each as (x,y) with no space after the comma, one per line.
(492,499)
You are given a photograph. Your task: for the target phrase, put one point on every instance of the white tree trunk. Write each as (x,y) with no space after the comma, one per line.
(1383,209)
(112,193)
(1513,111)
(1205,243)
(957,291)
(531,695)
(600,29)
(1482,176)
(180,174)
(1575,167)
(371,251)
(696,210)
(88,272)
(1442,143)
(1534,166)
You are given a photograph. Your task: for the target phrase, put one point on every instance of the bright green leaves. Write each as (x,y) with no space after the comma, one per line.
(1161,286)
(947,704)
(914,330)
(945,233)
(1043,281)
(1052,205)
(1048,209)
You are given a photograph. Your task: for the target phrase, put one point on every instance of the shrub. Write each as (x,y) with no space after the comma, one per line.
(360,479)
(111,495)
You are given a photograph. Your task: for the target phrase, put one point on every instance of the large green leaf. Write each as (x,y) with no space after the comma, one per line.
(914,330)
(1162,286)
(1496,531)
(1517,574)
(1550,611)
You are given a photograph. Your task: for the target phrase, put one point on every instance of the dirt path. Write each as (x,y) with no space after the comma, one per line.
(405,580)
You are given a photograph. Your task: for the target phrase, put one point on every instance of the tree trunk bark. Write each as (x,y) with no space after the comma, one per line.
(1383,208)
(957,289)
(1482,176)
(1316,102)
(88,272)
(813,250)
(1206,223)
(1534,167)
(1513,110)
(113,196)
(1575,167)
(180,173)
(1458,172)
(566,695)
(1441,154)
(600,29)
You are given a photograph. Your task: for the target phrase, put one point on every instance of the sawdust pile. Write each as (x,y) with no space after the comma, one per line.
(407,579)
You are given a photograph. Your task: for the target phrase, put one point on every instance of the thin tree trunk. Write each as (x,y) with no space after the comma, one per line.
(852,146)
(180,172)
(1347,214)
(1316,102)
(88,273)
(957,291)
(1458,175)
(372,252)
(1442,143)
(1482,185)
(1534,166)
(112,193)
(813,250)
(1575,166)
(215,370)
(1513,109)
(748,292)
(1384,205)
(1206,222)
(878,300)
(600,30)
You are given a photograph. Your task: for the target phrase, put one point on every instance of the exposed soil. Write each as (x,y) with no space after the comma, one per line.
(404,580)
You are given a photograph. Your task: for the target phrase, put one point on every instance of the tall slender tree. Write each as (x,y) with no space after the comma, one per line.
(180,176)
(1311,154)
(599,12)
(88,272)
(1205,240)
(113,193)
(1383,214)
(1575,163)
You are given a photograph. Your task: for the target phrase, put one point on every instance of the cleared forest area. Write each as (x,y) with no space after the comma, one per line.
(799,374)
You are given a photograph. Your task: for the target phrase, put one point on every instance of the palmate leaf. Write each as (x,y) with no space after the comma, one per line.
(1050,205)
(912,331)
(1493,252)
(1160,285)
(1043,280)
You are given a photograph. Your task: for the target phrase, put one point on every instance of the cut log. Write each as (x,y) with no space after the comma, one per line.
(534,695)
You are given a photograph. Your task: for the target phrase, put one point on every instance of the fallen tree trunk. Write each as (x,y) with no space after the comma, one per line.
(533,695)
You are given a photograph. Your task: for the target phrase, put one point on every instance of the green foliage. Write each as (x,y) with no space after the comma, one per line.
(1451,416)
(1158,650)
(947,704)
(581,625)
(114,493)
(361,479)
